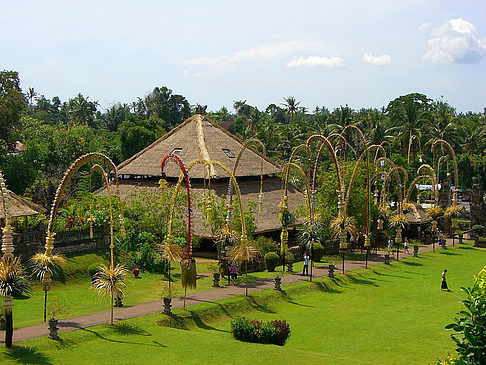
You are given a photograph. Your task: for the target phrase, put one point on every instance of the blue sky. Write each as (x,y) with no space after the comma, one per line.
(323,53)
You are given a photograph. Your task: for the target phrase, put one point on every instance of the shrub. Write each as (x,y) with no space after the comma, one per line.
(93,269)
(318,251)
(251,330)
(271,261)
(266,244)
(470,328)
(477,230)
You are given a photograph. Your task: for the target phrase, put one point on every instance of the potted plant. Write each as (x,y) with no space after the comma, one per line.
(54,310)
(136,272)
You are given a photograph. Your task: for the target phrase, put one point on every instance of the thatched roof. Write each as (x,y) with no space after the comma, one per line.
(198,137)
(265,222)
(20,207)
(417,215)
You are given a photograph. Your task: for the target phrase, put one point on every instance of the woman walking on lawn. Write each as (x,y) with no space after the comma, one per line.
(443,285)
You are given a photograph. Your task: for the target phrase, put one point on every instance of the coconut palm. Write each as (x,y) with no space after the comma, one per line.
(244,252)
(292,106)
(110,280)
(45,268)
(12,280)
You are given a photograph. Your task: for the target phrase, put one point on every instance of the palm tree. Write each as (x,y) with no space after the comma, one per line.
(443,124)
(12,280)
(46,268)
(31,94)
(408,114)
(110,280)
(342,117)
(292,106)
(244,252)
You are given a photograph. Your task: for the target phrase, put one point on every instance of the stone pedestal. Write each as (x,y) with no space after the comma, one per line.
(53,329)
(278,282)
(216,277)
(387,259)
(330,272)
(167,306)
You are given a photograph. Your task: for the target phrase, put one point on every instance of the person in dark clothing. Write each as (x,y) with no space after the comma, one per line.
(443,285)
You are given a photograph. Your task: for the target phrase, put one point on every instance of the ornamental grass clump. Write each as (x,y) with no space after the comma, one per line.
(252,330)
(110,281)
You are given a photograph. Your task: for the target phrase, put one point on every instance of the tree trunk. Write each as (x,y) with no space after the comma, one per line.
(8,329)
(246,278)
(111,319)
(45,305)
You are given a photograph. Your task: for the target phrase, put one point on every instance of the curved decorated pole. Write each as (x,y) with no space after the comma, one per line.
(7,244)
(8,257)
(350,185)
(360,132)
(410,142)
(445,157)
(246,144)
(98,167)
(75,166)
(454,160)
(330,148)
(184,176)
(345,143)
(396,173)
(432,178)
(379,150)
(414,183)
(188,263)
(286,167)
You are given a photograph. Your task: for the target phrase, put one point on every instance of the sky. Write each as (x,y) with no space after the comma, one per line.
(323,53)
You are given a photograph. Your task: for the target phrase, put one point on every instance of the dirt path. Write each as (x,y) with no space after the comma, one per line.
(94,319)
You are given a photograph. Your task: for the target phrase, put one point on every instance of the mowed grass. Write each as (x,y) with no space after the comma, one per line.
(387,315)
(81,299)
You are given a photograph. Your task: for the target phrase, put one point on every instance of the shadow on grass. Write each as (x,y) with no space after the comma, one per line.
(288,299)
(27,355)
(200,323)
(127,329)
(412,263)
(391,275)
(361,281)
(101,337)
(257,306)
(449,253)
(466,247)
(326,287)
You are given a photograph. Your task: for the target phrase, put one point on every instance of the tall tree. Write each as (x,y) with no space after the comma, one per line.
(12,105)
(292,106)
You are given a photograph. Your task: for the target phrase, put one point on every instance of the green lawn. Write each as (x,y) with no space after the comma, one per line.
(388,315)
(77,293)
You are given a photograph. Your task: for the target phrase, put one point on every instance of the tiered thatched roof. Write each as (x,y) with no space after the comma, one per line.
(417,215)
(198,137)
(20,207)
(266,221)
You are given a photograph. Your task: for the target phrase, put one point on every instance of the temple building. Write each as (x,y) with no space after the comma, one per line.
(200,138)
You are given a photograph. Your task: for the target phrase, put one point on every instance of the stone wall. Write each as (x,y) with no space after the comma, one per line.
(69,242)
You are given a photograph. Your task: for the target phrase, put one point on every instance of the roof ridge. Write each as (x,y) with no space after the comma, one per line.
(156,142)
(201,142)
(242,143)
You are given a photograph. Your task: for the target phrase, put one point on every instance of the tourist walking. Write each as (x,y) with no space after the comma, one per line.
(390,245)
(443,285)
(405,245)
(305,269)
(233,273)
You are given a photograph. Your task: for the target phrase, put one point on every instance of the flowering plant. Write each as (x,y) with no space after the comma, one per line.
(56,309)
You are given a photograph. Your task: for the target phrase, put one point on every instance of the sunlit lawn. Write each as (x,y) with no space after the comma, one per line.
(81,299)
(388,315)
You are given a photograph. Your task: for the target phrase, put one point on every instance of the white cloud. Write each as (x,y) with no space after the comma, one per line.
(455,41)
(262,52)
(380,60)
(315,61)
